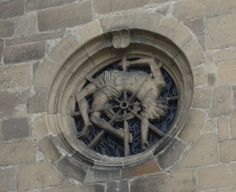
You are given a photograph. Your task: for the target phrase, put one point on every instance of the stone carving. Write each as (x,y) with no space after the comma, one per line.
(136,93)
(121,39)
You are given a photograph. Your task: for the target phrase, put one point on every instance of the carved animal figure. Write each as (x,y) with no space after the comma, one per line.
(110,84)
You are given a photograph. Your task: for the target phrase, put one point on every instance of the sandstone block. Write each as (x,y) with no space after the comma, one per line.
(234,96)
(194,9)
(13,103)
(227,150)
(118,186)
(171,155)
(211,79)
(202,98)
(41,4)
(193,126)
(148,167)
(225,54)
(176,181)
(197,26)
(221,31)
(11,8)
(21,53)
(203,152)
(17,76)
(6,28)
(210,126)
(49,149)
(39,125)
(1,48)
(73,188)
(15,128)
(227,73)
(95,175)
(217,176)
(194,52)
(8,179)
(223,129)
(38,102)
(233,125)
(105,6)
(17,152)
(38,175)
(222,101)
(35,38)
(26,25)
(65,16)
(71,169)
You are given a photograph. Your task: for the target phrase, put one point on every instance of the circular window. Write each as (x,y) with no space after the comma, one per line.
(126,107)
(122,94)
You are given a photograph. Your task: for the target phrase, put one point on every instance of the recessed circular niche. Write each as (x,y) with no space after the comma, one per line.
(121,100)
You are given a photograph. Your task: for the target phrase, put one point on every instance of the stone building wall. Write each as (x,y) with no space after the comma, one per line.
(31,31)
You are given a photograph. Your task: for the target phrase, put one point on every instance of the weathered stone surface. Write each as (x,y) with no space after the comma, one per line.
(71,169)
(13,103)
(6,28)
(234,95)
(8,179)
(96,175)
(197,26)
(202,98)
(11,8)
(26,25)
(222,101)
(105,6)
(79,188)
(171,155)
(233,125)
(38,175)
(194,52)
(1,49)
(119,186)
(211,79)
(73,14)
(203,152)
(21,53)
(49,149)
(17,152)
(17,76)
(210,126)
(193,126)
(15,128)
(64,49)
(38,102)
(227,150)
(223,128)
(217,176)
(225,54)
(38,123)
(221,31)
(227,73)
(35,38)
(148,167)
(193,9)
(177,182)
(41,4)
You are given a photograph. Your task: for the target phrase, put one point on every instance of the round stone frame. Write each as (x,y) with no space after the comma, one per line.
(152,31)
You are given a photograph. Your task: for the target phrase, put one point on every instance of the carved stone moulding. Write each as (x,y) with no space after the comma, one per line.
(112,82)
